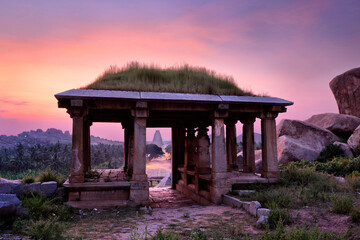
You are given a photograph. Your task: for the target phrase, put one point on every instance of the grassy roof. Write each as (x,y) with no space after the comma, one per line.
(184,79)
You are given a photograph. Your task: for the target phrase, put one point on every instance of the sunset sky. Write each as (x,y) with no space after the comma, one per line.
(287,49)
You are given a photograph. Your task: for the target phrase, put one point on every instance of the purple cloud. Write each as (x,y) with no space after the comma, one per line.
(12,102)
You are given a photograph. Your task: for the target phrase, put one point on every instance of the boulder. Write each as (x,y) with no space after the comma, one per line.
(9,204)
(7,208)
(354,140)
(340,124)
(346,90)
(299,140)
(254,206)
(48,188)
(346,148)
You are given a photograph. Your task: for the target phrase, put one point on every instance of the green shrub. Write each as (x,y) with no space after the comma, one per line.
(343,204)
(303,233)
(197,234)
(340,166)
(49,175)
(280,197)
(42,207)
(165,235)
(46,230)
(354,180)
(330,152)
(355,216)
(28,179)
(299,175)
(278,216)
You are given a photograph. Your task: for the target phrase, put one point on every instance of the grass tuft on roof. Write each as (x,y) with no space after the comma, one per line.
(183,79)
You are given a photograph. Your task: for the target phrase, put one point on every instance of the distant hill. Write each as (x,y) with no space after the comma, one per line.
(50,136)
(257,138)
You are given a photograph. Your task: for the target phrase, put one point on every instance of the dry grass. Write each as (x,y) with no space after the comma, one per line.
(183,79)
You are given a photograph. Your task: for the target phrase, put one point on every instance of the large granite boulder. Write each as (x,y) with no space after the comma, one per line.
(346,89)
(298,140)
(354,140)
(340,124)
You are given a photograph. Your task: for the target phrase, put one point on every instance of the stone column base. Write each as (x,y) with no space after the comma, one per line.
(273,174)
(139,193)
(76,179)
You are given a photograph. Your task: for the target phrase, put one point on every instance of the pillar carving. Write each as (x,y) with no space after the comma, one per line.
(248,144)
(231,150)
(78,115)
(269,146)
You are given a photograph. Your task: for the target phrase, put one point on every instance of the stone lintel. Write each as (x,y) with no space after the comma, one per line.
(76,102)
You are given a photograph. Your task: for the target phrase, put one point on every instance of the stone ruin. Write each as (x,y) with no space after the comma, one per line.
(197,173)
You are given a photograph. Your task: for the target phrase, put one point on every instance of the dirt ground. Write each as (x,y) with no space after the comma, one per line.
(125,224)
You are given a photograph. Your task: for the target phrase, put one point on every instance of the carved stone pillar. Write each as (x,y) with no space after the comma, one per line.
(269,149)
(248,144)
(220,184)
(139,188)
(231,158)
(78,114)
(203,158)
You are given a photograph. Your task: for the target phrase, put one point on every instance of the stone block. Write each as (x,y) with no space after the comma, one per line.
(231,201)
(246,206)
(33,187)
(245,192)
(254,205)
(263,212)
(262,221)
(12,198)
(48,188)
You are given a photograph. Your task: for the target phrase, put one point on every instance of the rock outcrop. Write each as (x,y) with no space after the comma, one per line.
(354,140)
(346,89)
(340,124)
(299,140)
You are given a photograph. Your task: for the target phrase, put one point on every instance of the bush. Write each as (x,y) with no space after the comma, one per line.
(42,207)
(46,229)
(278,215)
(354,180)
(330,152)
(28,179)
(197,234)
(280,197)
(343,204)
(49,175)
(340,166)
(302,233)
(355,216)
(166,235)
